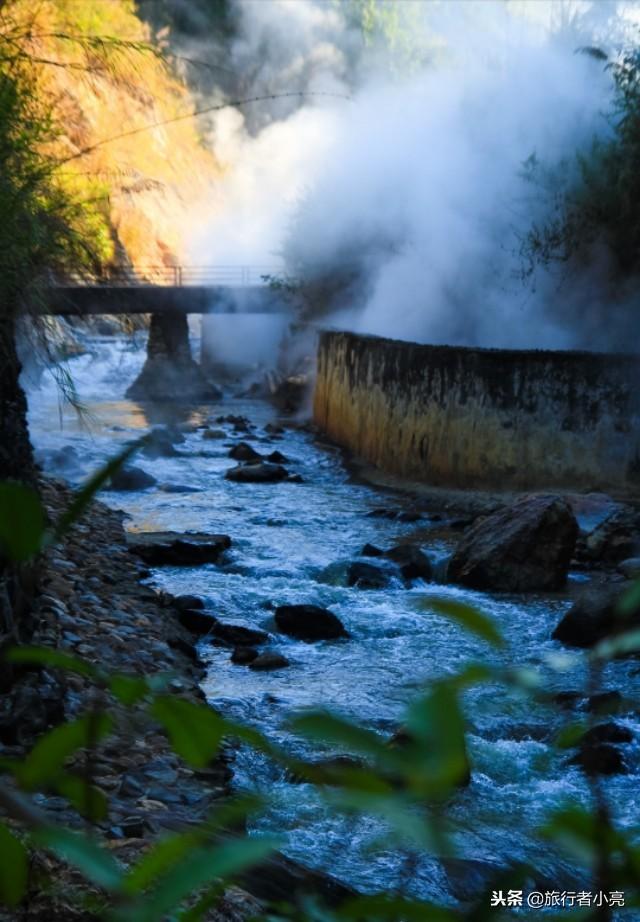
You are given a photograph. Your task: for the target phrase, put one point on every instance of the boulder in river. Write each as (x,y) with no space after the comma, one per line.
(197,621)
(182,602)
(131,478)
(367,576)
(615,539)
(371,550)
(242,656)
(260,472)
(593,617)
(244,452)
(269,660)
(413,563)
(167,548)
(609,732)
(160,443)
(276,457)
(214,434)
(524,547)
(237,635)
(600,759)
(309,622)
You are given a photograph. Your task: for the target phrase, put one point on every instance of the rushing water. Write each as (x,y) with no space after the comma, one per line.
(287,540)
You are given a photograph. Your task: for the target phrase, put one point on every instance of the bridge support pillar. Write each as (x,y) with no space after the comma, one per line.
(170,372)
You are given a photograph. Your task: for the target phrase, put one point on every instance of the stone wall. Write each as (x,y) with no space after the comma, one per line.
(486,418)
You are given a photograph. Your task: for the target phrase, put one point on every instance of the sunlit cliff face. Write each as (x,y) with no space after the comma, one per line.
(152,181)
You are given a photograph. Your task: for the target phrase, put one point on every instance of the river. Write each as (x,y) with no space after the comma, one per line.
(289,540)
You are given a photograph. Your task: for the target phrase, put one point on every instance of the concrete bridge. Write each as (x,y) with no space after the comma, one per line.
(169,290)
(169,294)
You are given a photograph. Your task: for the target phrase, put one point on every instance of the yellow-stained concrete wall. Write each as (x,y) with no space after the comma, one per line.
(486,418)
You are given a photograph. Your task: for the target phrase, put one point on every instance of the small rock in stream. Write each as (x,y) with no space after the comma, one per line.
(182,602)
(261,472)
(593,617)
(167,548)
(370,550)
(244,452)
(600,759)
(413,563)
(196,621)
(609,732)
(309,622)
(242,656)
(367,576)
(269,660)
(236,635)
(129,478)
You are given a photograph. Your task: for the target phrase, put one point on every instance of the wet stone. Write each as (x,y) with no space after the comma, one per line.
(242,656)
(166,548)
(244,452)
(262,472)
(367,576)
(237,635)
(267,661)
(196,621)
(309,622)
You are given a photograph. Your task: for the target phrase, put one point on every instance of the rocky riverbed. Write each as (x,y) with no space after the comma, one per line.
(315,539)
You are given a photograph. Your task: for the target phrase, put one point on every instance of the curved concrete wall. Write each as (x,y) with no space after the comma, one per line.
(487,418)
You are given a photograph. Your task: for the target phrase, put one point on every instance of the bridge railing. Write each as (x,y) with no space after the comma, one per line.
(178,276)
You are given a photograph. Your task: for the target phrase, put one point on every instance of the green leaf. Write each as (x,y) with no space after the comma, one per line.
(165,853)
(14,868)
(328,728)
(43,656)
(630,601)
(22,521)
(200,868)
(94,862)
(466,615)
(128,689)
(382,908)
(195,730)
(620,644)
(88,800)
(571,735)
(86,493)
(44,763)
(159,859)
(437,725)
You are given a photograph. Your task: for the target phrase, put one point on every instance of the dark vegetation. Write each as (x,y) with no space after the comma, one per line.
(597,212)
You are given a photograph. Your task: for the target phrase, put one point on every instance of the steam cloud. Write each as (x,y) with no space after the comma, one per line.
(414,188)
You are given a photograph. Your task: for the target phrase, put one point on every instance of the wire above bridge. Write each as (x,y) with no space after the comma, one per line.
(231,276)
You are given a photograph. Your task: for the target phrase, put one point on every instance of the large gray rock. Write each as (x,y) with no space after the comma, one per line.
(527,546)
(167,548)
(309,622)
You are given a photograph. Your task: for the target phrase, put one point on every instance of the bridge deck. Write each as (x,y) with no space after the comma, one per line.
(81,300)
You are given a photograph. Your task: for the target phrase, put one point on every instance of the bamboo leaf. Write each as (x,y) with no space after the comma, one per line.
(22,522)
(44,763)
(468,617)
(14,868)
(195,730)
